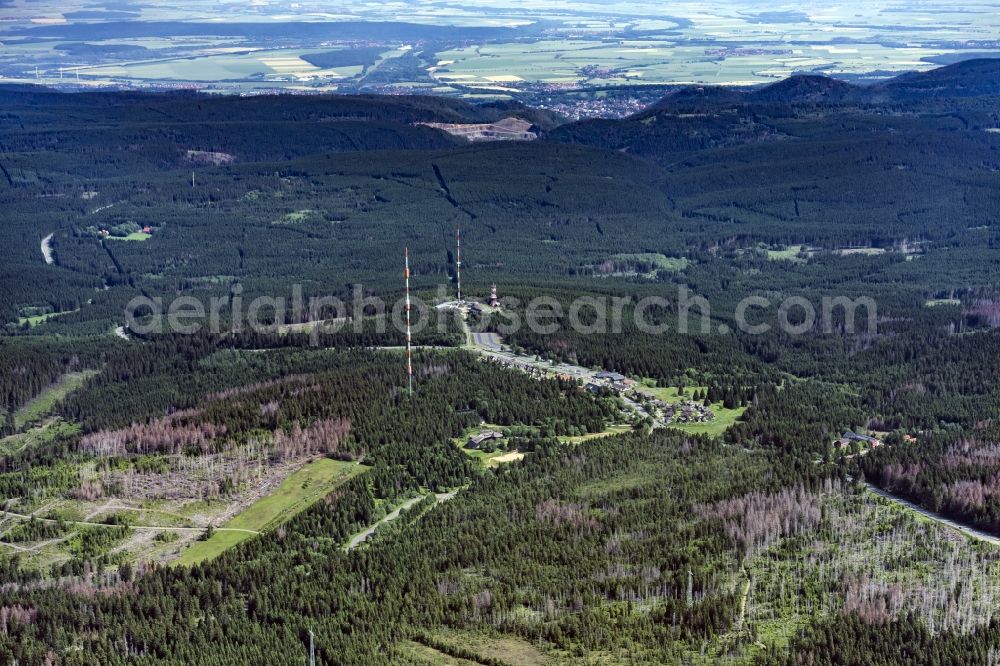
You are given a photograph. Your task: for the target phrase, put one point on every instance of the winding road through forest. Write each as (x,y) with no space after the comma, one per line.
(365,534)
(47,248)
(972,532)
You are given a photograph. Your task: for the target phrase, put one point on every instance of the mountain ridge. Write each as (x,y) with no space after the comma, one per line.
(968,78)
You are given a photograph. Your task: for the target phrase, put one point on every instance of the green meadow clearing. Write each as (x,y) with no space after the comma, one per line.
(301,489)
(43,404)
(35,320)
(134,236)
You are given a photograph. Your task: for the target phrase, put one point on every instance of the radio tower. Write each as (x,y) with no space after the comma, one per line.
(409,349)
(458,261)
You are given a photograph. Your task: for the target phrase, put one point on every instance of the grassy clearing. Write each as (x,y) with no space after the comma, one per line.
(790,253)
(507,649)
(215,545)
(296,217)
(935,302)
(501,457)
(475,454)
(642,475)
(331,325)
(512,456)
(135,236)
(486,458)
(490,458)
(660,261)
(723,419)
(670,394)
(486,648)
(35,320)
(411,652)
(45,401)
(864,251)
(45,433)
(301,489)
(615,429)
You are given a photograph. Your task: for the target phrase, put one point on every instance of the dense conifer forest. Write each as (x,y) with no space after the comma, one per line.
(218,497)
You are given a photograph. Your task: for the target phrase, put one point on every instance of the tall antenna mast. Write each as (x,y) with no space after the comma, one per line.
(458,261)
(409,348)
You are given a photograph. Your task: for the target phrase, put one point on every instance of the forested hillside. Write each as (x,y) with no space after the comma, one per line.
(220,496)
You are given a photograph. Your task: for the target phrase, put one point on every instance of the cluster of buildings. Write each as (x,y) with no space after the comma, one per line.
(525,367)
(686,411)
(477,441)
(610,380)
(494,302)
(612,104)
(850,438)
(104,233)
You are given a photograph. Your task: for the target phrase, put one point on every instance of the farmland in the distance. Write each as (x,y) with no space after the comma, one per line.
(481,50)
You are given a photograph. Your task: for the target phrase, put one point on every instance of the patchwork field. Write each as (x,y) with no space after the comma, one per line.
(615,61)
(226,66)
(595,45)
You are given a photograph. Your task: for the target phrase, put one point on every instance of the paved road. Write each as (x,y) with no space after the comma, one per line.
(490,341)
(47,248)
(575,371)
(964,529)
(363,536)
(643,414)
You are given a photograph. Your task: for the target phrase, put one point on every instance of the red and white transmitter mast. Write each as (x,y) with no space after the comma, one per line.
(409,347)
